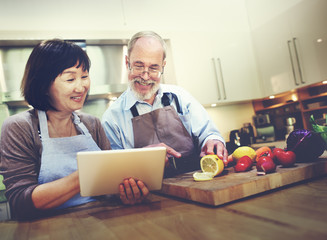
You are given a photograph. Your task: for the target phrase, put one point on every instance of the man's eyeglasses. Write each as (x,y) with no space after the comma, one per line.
(139,70)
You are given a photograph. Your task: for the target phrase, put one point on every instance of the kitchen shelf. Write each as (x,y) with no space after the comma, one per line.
(314,109)
(313,101)
(314,97)
(313,91)
(280,100)
(302,103)
(279,105)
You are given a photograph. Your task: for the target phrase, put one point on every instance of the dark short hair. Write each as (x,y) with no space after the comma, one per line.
(49,59)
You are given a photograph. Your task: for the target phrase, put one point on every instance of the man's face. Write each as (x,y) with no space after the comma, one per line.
(145,67)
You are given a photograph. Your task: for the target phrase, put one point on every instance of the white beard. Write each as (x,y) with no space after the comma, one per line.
(143,96)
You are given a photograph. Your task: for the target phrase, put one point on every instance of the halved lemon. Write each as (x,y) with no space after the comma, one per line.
(202,176)
(212,164)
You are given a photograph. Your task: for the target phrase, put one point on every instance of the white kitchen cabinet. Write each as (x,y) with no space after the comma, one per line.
(216,69)
(200,32)
(236,71)
(309,28)
(194,69)
(286,42)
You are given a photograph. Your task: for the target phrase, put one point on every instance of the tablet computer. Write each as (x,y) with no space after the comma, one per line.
(101,172)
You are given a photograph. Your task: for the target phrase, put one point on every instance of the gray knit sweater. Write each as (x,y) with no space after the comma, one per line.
(20,157)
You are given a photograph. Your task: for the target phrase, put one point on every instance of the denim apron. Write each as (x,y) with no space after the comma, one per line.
(58,157)
(164,125)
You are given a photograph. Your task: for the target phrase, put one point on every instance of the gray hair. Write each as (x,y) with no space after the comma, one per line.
(139,35)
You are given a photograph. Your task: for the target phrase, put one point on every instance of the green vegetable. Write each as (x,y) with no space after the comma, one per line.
(322,130)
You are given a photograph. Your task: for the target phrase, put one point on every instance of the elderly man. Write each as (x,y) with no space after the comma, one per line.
(150,114)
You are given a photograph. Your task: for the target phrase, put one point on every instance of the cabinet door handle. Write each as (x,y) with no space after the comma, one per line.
(217,79)
(292,64)
(222,77)
(298,61)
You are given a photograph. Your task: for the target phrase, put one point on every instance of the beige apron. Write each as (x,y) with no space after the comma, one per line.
(164,126)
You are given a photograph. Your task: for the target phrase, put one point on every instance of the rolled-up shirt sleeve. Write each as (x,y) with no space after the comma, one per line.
(112,132)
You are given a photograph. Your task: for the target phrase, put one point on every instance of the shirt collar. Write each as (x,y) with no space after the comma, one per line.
(131,98)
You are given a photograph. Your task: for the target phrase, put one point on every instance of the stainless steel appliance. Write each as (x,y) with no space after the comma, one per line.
(108,72)
(265,129)
(261,120)
(290,122)
(265,134)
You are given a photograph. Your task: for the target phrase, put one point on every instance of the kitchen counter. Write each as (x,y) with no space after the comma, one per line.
(294,212)
(278,144)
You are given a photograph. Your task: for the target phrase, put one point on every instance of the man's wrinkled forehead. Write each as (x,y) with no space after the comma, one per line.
(147,45)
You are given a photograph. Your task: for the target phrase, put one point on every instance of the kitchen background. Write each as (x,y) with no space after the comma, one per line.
(239,58)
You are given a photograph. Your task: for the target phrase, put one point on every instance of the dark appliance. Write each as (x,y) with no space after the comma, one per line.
(234,141)
(247,135)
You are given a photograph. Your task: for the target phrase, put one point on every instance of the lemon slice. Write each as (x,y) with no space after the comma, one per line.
(202,176)
(211,164)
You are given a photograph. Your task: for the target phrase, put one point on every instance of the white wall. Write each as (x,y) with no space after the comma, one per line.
(62,15)
(231,117)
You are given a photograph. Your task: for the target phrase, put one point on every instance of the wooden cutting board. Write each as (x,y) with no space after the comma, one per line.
(230,186)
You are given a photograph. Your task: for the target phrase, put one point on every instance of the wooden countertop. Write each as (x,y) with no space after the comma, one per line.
(230,185)
(294,212)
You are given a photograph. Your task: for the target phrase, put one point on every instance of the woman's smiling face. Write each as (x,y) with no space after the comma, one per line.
(69,89)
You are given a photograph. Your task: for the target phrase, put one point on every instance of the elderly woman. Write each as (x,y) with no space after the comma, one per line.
(39,146)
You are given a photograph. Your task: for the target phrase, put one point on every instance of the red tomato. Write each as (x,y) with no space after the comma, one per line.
(266,154)
(276,154)
(287,159)
(243,164)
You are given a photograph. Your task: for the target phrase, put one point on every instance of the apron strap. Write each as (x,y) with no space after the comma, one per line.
(134,111)
(80,125)
(164,100)
(178,107)
(44,132)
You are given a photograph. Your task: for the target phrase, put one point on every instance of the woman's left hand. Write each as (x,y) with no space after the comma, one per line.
(132,192)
